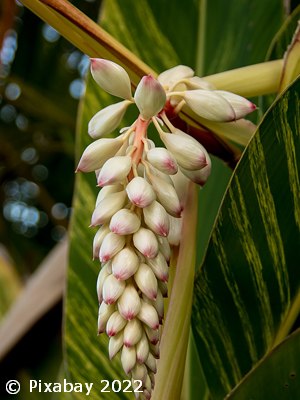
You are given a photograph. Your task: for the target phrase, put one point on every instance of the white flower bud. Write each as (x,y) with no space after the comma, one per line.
(105,311)
(160,267)
(199,176)
(128,358)
(149,97)
(103,274)
(107,119)
(111,77)
(209,105)
(189,153)
(98,239)
(139,372)
(154,349)
(241,106)
(152,335)
(164,247)
(107,207)
(145,241)
(125,263)
(129,304)
(163,160)
(109,189)
(148,315)
(97,153)
(115,324)
(142,349)
(111,245)
(167,195)
(115,344)
(158,304)
(114,170)
(151,363)
(146,281)
(140,192)
(132,332)
(112,289)
(157,219)
(174,235)
(124,222)
(169,77)
(195,82)
(152,379)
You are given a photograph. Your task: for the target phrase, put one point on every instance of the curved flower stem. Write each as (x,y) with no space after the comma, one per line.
(177,326)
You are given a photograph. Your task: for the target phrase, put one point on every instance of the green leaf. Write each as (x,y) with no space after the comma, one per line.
(248,284)
(276,376)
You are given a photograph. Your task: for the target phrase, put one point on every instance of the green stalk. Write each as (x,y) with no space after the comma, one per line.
(175,336)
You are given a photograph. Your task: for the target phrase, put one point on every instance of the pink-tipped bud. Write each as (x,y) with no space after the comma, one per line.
(145,241)
(142,349)
(148,315)
(149,97)
(128,358)
(146,281)
(160,267)
(151,363)
(166,195)
(152,335)
(105,311)
(241,106)
(125,264)
(164,247)
(111,245)
(200,176)
(107,207)
(154,349)
(105,271)
(189,153)
(156,218)
(98,239)
(158,304)
(129,304)
(107,119)
(140,192)
(115,344)
(111,77)
(112,289)
(163,160)
(97,153)
(114,170)
(109,189)
(174,235)
(115,324)
(132,332)
(169,77)
(125,222)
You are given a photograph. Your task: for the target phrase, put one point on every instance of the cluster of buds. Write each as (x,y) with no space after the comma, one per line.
(138,210)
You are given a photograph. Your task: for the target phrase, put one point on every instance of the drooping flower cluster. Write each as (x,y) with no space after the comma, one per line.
(138,208)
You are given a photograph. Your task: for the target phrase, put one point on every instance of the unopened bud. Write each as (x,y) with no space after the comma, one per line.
(163,287)
(209,105)
(115,324)
(98,239)
(149,97)
(140,192)
(199,176)
(169,77)
(153,335)
(112,289)
(189,153)
(164,247)
(129,304)
(97,153)
(124,222)
(114,170)
(115,344)
(148,315)
(111,245)
(142,349)
(241,106)
(107,119)
(139,372)
(105,311)
(109,189)
(103,274)
(160,267)
(195,82)
(174,235)
(163,160)
(154,349)
(151,363)
(146,281)
(107,207)
(128,358)
(132,332)
(156,218)
(125,264)
(145,241)
(111,77)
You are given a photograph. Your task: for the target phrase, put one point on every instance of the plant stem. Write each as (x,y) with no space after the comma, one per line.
(177,326)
